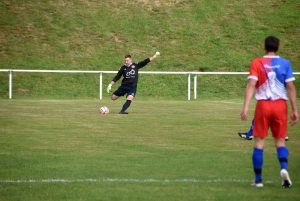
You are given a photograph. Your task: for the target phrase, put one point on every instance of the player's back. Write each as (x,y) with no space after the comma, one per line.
(271,72)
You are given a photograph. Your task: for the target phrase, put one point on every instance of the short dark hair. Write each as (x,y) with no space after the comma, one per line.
(127,56)
(271,44)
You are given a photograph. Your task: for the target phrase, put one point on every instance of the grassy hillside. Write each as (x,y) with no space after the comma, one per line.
(95,35)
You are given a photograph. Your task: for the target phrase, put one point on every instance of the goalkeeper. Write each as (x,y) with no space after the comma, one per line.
(130,73)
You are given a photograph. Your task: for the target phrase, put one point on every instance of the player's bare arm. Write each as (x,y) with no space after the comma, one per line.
(291,90)
(248,95)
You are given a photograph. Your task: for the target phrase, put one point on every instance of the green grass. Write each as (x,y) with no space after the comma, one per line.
(162,150)
(166,148)
(95,35)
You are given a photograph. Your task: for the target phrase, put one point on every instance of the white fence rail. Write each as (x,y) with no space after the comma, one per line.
(11,71)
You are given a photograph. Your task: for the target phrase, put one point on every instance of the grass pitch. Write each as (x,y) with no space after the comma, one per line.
(162,150)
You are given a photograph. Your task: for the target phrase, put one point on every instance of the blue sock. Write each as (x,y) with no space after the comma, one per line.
(126,105)
(283,155)
(249,133)
(257,161)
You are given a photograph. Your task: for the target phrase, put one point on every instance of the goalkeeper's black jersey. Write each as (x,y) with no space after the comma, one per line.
(130,73)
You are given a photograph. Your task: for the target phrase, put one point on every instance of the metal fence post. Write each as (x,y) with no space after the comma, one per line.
(100,91)
(195,86)
(189,86)
(10,84)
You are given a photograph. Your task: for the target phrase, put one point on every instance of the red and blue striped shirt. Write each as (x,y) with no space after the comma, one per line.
(271,73)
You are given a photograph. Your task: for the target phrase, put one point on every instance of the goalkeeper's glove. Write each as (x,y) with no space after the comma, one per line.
(108,88)
(156,54)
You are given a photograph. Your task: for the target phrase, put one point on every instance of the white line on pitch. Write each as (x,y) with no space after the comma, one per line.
(131,180)
(228,102)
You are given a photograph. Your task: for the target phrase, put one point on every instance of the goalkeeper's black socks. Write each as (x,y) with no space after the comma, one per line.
(126,106)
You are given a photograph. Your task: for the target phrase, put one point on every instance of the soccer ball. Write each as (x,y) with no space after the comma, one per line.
(104,110)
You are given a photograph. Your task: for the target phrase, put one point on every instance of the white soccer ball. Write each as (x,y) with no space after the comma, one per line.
(104,110)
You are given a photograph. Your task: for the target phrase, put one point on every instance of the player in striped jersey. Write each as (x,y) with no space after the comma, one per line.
(271,78)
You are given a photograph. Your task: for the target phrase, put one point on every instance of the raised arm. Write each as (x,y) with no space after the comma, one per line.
(146,61)
(154,56)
